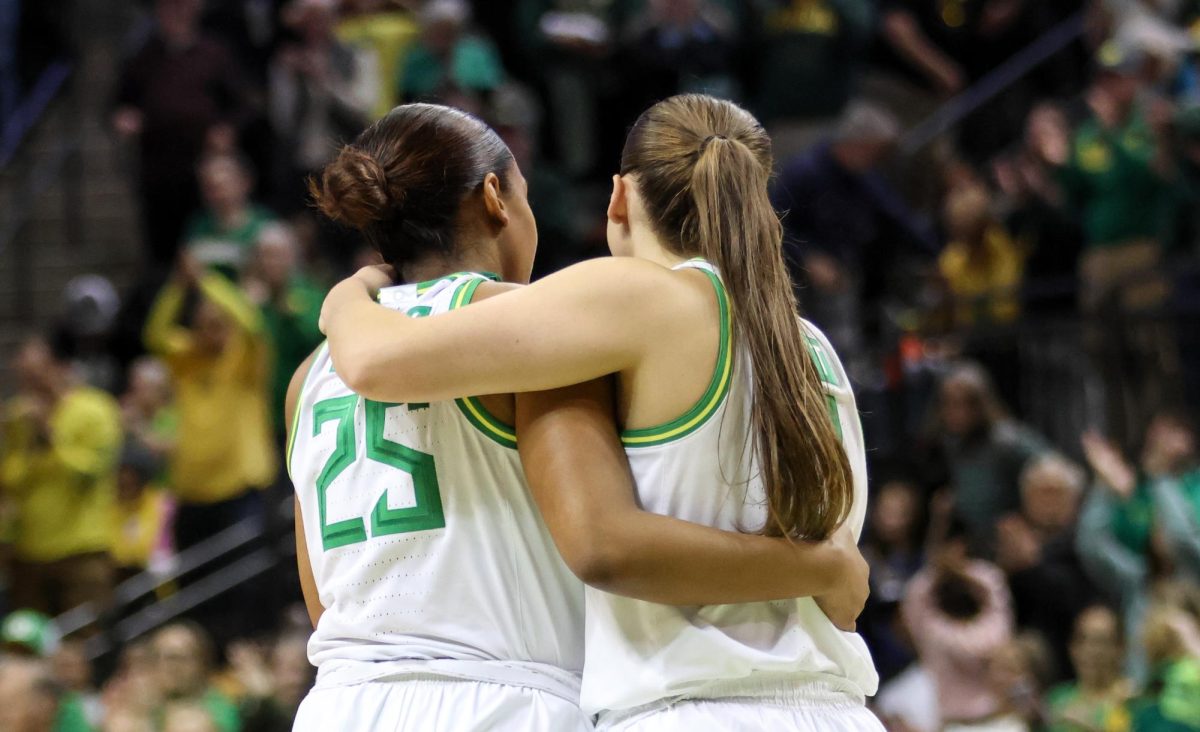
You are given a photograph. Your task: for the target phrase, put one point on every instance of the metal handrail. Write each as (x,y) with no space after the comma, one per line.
(1015,68)
(32,108)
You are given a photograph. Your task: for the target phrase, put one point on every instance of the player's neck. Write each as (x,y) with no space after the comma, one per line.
(469,259)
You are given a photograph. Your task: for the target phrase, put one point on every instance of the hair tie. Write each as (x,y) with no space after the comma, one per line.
(710,138)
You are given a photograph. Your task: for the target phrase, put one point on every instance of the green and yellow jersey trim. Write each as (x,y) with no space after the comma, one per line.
(471,407)
(718,387)
(423,287)
(824,366)
(291,442)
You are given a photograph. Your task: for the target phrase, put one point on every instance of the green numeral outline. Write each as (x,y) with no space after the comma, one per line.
(350,531)
(427,514)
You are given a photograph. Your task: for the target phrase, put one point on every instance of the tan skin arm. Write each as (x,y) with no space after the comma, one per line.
(308,583)
(579,476)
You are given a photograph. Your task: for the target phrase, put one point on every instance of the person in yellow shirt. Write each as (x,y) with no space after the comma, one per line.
(58,465)
(141,515)
(220,363)
(982,266)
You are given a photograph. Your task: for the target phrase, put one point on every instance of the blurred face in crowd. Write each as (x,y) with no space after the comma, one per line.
(210,328)
(130,484)
(960,407)
(149,385)
(1096,647)
(71,667)
(1049,501)
(180,662)
(1170,442)
(895,511)
(967,215)
(224,184)
(1121,88)
(26,702)
(276,256)
(36,368)
(1007,670)
(441,35)
(178,19)
(293,673)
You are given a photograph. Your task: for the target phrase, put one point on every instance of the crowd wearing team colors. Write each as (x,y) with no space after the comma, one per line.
(1035,556)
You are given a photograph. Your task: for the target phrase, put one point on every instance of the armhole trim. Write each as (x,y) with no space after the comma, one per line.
(472,408)
(718,386)
(291,443)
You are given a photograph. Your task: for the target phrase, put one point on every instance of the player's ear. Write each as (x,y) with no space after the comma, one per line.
(618,203)
(493,201)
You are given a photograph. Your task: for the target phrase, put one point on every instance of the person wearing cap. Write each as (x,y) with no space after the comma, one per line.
(1116,175)
(58,463)
(449,60)
(29,633)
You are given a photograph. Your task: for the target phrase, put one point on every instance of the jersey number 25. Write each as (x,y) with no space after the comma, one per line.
(426,514)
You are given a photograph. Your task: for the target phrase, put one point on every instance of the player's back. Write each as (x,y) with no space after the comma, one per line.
(428,552)
(700,468)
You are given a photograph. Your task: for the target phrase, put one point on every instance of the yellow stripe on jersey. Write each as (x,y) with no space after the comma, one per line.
(718,388)
(471,407)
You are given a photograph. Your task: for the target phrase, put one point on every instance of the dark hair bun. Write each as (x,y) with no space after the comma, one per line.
(354,190)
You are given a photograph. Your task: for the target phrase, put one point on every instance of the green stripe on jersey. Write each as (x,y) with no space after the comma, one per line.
(718,387)
(471,407)
(291,443)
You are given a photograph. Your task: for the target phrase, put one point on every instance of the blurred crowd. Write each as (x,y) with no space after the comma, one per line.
(1023,579)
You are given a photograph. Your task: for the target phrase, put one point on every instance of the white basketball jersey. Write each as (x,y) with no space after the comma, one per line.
(699,467)
(428,551)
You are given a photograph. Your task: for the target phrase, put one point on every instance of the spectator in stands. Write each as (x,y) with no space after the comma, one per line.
(516,117)
(29,633)
(1016,673)
(290,302)
(679,46)
(220,364)
(1095,699)
(981,265)
(180,95)
(142,513)
(274,685)
(894,551)
(73,673)
(1140,526)
(448,63)
(1116,177)
(807,57)
(984,452)
(147,407)
(184,658)
(387,31)
(30,700)
(1036,549)
(570,46)
(959,613)
(843,223)
(222,235)
(1030,192)
(60,448)
(1171,699)
(321,92)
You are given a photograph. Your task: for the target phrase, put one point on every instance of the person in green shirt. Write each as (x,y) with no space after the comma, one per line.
(1141,525)
(222,236)
(184,659)
(290,302)
(448,59)
(1170,701)
(1118,177)
(1094,700)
